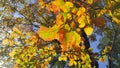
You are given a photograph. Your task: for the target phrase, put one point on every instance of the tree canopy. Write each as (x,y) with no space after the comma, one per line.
(57,33)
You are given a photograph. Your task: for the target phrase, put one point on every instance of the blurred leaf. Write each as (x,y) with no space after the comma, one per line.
(5,41)
(48,34)
(88,30)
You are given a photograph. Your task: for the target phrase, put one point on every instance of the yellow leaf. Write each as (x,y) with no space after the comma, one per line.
(14,35)
(81,11)
(66,7)
(74,10)
(83,58)
(67,27)
(62,58)
(18,61)
(107,49)
(79,64)
(116,20)
(83,47)
(42,4)
(88,30)
(12,53)
(11,42)
(16,66)
(90,2)
(69,16)
(5,42)
(102,59)
(72,38)
(16,30)
(72,62)
(48,34)
(81,21)
(69,4)
(90,49)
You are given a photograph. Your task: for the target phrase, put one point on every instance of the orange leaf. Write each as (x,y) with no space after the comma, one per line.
(72,25)
(61,35)
(55,8)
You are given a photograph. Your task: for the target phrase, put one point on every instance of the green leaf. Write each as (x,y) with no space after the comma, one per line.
(67,27)
(48,34)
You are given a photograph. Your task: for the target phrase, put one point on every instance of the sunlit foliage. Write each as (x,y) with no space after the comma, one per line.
(63,29)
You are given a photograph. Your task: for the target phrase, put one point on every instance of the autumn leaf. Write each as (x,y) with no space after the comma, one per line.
(59,22)
(88,30)
(99,21)
(67,6)
(81,11)
(90,2)
(72,62)
(67,27)
(18,61)
(56,5)
(34,39)
(61,35)
(42,3)
(107,49)
(90,49)
(103,58)
(70,40)
(48,34)
(16,66)
(12,53)
(64,47)
(116,20)
(73,38)
(82,47)
(72,25)
(74,10)
(55,8)
(62,58)
(16,30)
(79,64)
(5,41)
(81,21)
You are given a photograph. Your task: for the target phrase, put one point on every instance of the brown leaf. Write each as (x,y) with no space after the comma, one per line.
(99,21)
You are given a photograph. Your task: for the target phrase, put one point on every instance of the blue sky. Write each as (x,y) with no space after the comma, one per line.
(95,49)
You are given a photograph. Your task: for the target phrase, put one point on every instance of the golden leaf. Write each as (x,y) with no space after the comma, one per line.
(12,53)
(81,11)
(62,58)
(72,62)
(81,21)
(88,30)
(82,47)
(90,2)
(102,59)
(5,42)
(16,30)
(72,38)
(16,66)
